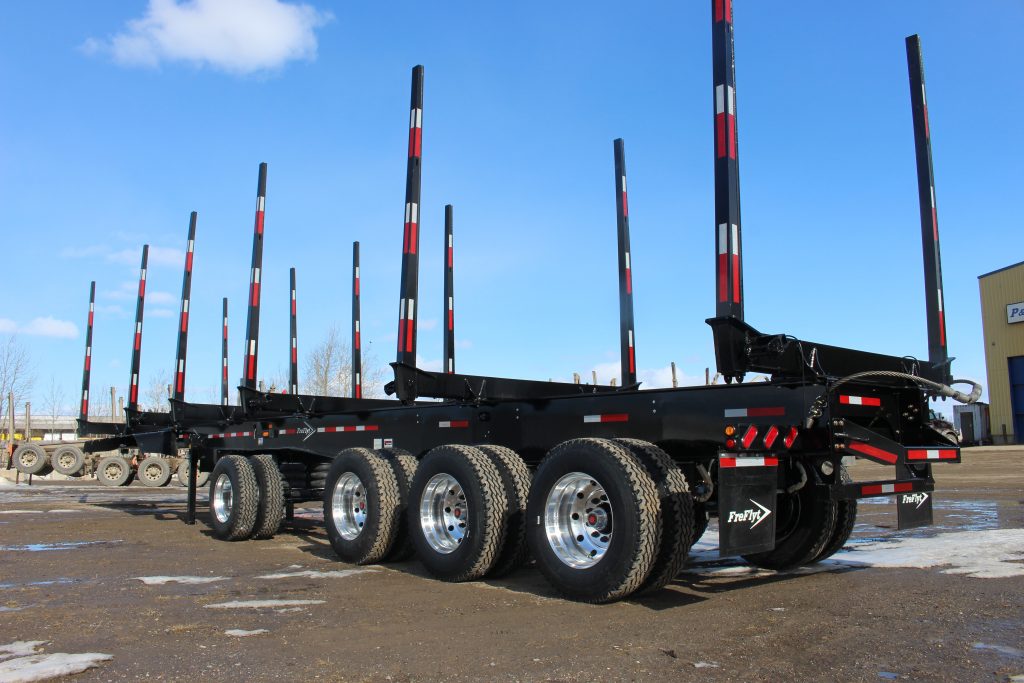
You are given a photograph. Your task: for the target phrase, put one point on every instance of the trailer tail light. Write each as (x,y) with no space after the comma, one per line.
(790,438)
(730,443)
(770,436)
(749,436)
(730,430)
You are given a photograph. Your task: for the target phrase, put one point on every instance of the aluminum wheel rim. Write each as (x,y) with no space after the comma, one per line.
(223,497)
(348,506)
(444,513)
(578,520)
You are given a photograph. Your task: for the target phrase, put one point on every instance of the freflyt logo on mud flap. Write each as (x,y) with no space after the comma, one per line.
(912,498)
(751,515)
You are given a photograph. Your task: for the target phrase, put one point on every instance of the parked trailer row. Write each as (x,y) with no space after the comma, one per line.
(605,487)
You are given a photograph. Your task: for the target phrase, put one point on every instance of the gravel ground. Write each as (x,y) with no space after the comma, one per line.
(86,570)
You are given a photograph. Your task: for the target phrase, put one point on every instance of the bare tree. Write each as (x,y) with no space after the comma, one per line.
(16,374)
(157,393)
(53,402)
(328,369)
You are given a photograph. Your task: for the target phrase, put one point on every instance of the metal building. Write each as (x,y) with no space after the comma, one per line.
(1002,315)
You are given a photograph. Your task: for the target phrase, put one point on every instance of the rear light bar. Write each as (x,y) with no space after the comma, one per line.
(774,437)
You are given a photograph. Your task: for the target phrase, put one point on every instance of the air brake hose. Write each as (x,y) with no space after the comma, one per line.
(818,405)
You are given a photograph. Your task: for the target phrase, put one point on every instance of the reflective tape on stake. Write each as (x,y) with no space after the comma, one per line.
(608,417)
(860,400)
(453,424)
(932,454)
(771,411)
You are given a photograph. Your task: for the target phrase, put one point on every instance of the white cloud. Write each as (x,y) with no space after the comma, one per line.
(129,290)
(236,36)
(160,313)
(158,256)
(50,327)
(8,326)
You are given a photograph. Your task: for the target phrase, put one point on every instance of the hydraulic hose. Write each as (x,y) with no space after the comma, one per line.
(939,389)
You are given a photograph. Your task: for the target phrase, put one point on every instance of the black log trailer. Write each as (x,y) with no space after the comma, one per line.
(606,487)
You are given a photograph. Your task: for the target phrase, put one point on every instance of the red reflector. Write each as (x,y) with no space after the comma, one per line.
(790,438)
(874,489)
(749,436)
(730,443)
(770,436)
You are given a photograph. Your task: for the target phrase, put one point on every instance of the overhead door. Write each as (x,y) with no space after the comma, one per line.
(1017,396)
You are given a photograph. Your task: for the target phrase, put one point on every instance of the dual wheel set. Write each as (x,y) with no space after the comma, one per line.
(602,518)
(111,470)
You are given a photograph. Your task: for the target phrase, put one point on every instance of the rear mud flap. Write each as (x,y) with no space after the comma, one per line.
(913,509)
(746,504)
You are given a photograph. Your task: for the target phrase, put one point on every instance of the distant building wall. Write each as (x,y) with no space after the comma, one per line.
(1003,325)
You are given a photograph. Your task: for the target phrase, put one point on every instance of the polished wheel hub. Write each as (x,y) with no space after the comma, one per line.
(223,495)
(444,513)
(578,520)
(348,506)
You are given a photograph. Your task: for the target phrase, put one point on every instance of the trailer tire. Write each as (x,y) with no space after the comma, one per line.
(677,522)
(201,476)
(234,498)
(404,466)
(458,513)
(805,524)
(154,471)
(113,470)
(31,459)
(515,479)
(846,518)
(361,503)
(68,460)
(628,499)
(270,511)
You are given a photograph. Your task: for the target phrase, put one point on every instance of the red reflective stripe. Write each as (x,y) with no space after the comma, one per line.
(357,339)
(632,359)
(259,222)
(766,412)
(881,488)
(138,340)
(615,417)
(415,142)
(88,362)
(401,334)
(453,424)
(181,382)
(359,391)
(932,454)
(451,319)
(90,318)
(252,364)
(770,436)
(868,449)
(791,437)
(625,205)
(736,278)
(926,133)
(142,288)
(720,135)
(188,261)
(409,329)
(357,286)
(749,436)
(723,274)
(747,462)
(731,121)
(860,400)
(629,280)
(184,322)
(942,328)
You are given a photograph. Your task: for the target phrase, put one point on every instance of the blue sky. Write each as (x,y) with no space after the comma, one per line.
(122,117)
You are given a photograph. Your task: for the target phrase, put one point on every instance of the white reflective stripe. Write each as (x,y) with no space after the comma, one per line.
(725,100)
(256,275)
(735,246)
(451,304)
(627,260)
(735,412)
(751,462)
(293,342)
(412,212)
(293,295)
(225,322)
(412,307)
(451,365)
(135,380)
(591,418)
(856,400)
(88,351)
(184,306)
(888,488)
(939,291)
(252,347)
(181,364)
(449,241)
(723,239)
(631,339)
(357,272)
(932,189)
(85,394)
(138,327)
(142,274)
(92,307)
(225,362)
(401,309)
(445,424)
(260,202)
(358,381)
(924,96)
(191,246)
(623,183)
(416,118)
(357,326)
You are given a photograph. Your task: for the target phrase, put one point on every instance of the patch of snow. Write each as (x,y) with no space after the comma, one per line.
(43,667)
(988,554)
(242,633)
(312,574)
(60,545)
(705,665)
(290,609)
(18,512)
(20,648)
(236,604)
(1001,649)
(66,510)
(161,580)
